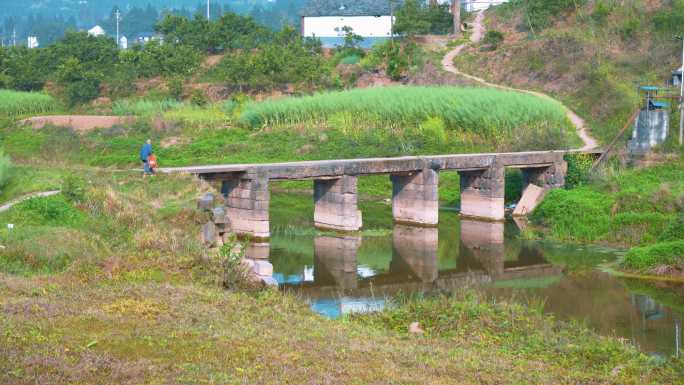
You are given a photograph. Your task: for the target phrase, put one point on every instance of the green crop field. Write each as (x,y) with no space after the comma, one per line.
(14,103)
(484,112)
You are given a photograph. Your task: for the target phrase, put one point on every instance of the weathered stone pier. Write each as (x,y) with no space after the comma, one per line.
(415,181)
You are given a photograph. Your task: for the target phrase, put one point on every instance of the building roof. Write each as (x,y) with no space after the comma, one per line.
(96,31)
(345,8)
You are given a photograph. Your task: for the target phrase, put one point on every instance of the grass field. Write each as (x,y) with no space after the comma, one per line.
(15,104)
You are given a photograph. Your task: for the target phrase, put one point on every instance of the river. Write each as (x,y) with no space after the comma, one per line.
(338,274)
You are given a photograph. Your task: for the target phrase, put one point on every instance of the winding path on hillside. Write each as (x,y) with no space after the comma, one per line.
(477,35)
(26,197)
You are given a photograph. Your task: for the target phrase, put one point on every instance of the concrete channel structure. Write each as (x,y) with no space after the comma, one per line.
(415,181)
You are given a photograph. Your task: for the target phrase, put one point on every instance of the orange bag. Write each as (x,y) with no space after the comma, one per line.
(152,161)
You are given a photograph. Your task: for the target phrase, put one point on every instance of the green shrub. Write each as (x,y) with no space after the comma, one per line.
(175,85)
(674,230)
(602,9)
(199,98)
(578,169)
(74,188)
(5,166)
(493,39)
(669,254)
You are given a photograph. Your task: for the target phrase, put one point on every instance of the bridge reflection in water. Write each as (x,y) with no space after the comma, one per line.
(339,284)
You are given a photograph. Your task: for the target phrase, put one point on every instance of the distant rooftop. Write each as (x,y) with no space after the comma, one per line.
(345,8)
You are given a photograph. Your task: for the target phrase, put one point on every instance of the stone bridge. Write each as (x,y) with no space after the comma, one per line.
(415,182)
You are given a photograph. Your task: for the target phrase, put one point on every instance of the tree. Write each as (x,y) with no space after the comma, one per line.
(77,84)
(351,41)
(409,19)
(456,14)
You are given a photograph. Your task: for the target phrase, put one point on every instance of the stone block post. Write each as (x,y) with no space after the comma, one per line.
(336,204)
(537,181)
(247,202)
(414,251)
(415,198)
(482,193)
(335,260)
(547,177)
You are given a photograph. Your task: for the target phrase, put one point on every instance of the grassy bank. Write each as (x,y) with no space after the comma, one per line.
(632,207)
(657,259)
(108,284)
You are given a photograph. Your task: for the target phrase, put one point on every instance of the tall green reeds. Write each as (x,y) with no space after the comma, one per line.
(485,112)
(14,103)
(144,107)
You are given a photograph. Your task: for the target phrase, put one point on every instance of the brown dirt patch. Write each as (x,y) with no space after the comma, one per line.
(212,60)
(81,123)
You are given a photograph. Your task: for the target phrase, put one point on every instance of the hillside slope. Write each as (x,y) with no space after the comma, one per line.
(589,54)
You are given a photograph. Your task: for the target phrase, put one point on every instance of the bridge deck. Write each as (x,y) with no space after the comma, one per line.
(370,166)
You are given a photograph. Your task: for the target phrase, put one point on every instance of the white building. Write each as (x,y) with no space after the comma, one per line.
(478,5)
(32,42)
(331,26)
(123,42)
(96,31)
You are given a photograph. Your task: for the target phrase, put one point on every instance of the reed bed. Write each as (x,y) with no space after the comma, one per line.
(15,103)
(486,112)
(144,107)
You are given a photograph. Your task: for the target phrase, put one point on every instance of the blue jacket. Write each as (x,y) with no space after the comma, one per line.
(145,152)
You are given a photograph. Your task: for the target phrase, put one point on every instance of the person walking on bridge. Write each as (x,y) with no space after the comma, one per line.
(145,153)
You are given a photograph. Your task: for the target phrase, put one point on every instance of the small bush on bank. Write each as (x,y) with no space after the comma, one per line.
(493,39)
(5,166)
(664,254)
(74,188)
(578,170)
(674,230)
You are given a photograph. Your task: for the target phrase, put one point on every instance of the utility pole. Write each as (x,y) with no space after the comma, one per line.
(391,9)
(208,10)
(14,36)
(681,101)
(681,94)
(118,18)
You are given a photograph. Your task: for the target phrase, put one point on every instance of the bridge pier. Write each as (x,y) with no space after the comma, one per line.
(336,204)
(537,181)
(482,193)
(415,198)
(247,201)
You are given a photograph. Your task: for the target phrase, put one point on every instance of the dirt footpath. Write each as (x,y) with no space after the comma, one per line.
(80,123)
(478,33)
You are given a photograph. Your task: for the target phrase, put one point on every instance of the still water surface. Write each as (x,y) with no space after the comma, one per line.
(339,274)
